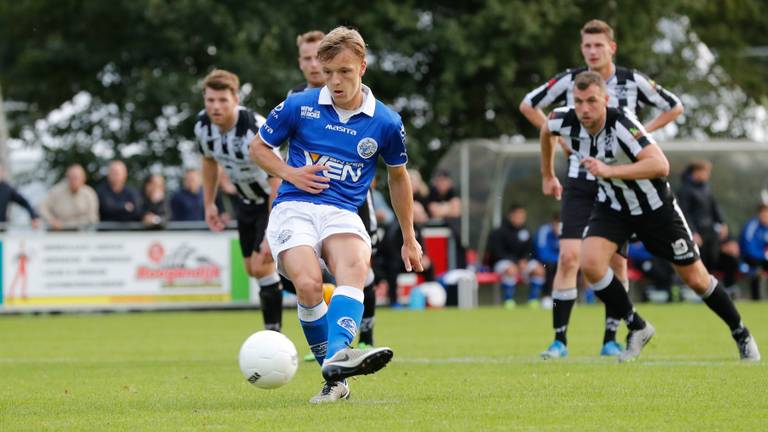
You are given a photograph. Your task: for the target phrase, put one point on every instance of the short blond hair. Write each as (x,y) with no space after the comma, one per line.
(597,26)
(339,39)
(309,37)
(220,79)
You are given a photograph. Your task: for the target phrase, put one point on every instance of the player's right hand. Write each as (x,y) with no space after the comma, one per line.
(307,178)
(551,186)
(212,218)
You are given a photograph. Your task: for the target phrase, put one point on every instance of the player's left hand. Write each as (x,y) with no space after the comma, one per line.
(596,168)
(411,254)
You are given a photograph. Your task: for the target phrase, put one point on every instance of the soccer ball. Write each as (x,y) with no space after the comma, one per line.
(268,359)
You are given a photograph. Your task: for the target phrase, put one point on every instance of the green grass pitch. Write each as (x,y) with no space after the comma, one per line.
(452,370)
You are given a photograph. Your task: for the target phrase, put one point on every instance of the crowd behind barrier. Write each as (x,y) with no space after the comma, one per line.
(516,255)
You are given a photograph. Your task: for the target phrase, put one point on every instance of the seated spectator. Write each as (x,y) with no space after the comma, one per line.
(547,251)
(754,248)
(154,206)
(510,251)
(8,195)
(187,202)
(443,204)
(71,204)
(117,201)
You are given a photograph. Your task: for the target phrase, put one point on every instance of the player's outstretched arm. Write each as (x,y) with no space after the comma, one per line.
(306,178)
(402,203)
(210,184)
(550,185)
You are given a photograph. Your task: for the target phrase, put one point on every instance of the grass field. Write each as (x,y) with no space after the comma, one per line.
(453,370)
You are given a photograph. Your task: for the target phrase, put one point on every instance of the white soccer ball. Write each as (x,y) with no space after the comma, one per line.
(268,359)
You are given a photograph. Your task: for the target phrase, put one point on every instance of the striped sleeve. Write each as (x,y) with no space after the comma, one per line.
(201,135)
(552,92)
(556,118)
(651,93)
(632,134)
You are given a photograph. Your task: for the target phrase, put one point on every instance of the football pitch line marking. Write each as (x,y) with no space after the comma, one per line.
(646,361)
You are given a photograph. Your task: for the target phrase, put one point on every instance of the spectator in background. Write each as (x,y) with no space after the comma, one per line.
(719,252)
(443,204)
(419,187)
(71,204)
(154,206)
(754,248)
(117,201)
(510,250)
(187,203)
(547,252)
(8,195)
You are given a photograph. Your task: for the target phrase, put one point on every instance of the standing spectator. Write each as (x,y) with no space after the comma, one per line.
(719,252)
(510,250)
(754,247)
(154,206)
(547,252)
(71,203)
(117,201)
(8,195)
(187,202)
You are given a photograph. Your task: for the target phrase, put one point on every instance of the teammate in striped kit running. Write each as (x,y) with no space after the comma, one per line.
(634,198)
(629,89)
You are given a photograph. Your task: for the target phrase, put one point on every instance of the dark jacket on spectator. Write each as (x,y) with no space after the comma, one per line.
(7,195)
(118,207)
(509,242)
(187,206)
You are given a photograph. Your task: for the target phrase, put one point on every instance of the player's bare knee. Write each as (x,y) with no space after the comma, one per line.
(569,260)
(308,284)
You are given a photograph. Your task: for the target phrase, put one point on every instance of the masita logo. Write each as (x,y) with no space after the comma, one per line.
(337,169)
(367,147)
(337,128)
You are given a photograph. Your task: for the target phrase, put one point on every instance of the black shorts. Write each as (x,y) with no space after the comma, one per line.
(664,231)
(578,199)
(252,222)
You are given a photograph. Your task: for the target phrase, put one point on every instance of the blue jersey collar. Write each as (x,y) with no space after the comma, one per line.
(369,102)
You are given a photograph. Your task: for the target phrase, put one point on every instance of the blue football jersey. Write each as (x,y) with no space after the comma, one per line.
(349,150)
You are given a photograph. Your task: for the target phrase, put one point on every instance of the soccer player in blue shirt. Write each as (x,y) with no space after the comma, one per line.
(336,134)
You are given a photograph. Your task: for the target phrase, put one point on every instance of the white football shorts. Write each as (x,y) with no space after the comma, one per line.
(296,223)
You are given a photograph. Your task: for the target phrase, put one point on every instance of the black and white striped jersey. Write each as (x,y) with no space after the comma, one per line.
(627,88)
(619,142)
(230,149)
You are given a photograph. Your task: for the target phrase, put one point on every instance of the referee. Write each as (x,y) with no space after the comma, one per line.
(628,89)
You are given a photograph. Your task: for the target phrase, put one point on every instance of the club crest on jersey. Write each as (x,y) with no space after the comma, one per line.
(367,147)
(348,324)
(337,169)
(679,246)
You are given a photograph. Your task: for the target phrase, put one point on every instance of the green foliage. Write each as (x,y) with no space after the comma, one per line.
(454,369)
(453,72)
